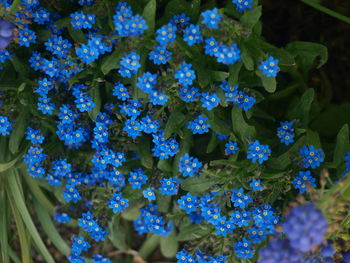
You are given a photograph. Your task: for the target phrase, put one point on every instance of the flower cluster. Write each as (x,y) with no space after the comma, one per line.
(286,132)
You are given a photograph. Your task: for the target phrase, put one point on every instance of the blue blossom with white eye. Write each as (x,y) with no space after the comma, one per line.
(311,157)
(302,180)
(121,92)
(199,125)
(256,185)
(160,55)
(242,5)
(169,186)
(149,194)
(33,135)
(189,94)
(129,65)
(26,37)
(166,34)
(211,18)
(185,74)
(239,199)
(189,166)
(258,152)
(192,35)
(117,203)
(79,20)
(231,147)
(286,132)
(5,126)
(270,67)
(180,20)
(209,101)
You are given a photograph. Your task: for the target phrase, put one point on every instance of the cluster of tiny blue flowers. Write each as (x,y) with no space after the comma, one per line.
(303,180)
(311,157)
(258,152)
(125,138)
(269,67)
(286,132)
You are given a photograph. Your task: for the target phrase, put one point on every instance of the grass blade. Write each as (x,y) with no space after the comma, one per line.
(50,229)
(4,227)
(22,208)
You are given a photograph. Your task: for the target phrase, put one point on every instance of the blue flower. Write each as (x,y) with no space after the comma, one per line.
(209,101)
(280,251)
(33,135)
(269,67)
(147,82)
(231,148)
(121,92)
(199,125)
(79,20)
(256,185)
(5,126)
(211,18)
(79,245)
(160,55)
(71,194)
(243,249)
(258,152)
(189,166)
(164,148)
(137,178)
(189,94)
(180,20)
(129,65)
(26,37)
(149,194)
(184,257)
(61,217)
(149,125)
(286,132)
(242,5)
(169,186)
(41,16)
(302,180)
(192,35)
(239,199)
(311,157)
(185,74)
(166,34)
(188,203)
(99,258)
(117,203)
(305,227)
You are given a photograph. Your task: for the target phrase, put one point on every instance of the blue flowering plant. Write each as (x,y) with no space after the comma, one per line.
(164,130)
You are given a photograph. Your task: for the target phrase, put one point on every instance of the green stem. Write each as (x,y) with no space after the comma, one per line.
(327,11)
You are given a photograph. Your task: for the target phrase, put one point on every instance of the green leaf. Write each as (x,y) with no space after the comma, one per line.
(117,233)
(20,204)
(251,17)
(217,124)
(144,149)
(174,122)
(163,203)
(342,145)
(131,213)
(169,245)
(269,83)
(149,245)
(149,13)
(197,185)
(312,138)
(112,61)
(191,232)
(4,227)
(22,233)
(247,58)
(234,73)
(212,143)
(96,97)
(310,54)
(301,110)
(239,126)
(283,160)
(19,129)
(50,229)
